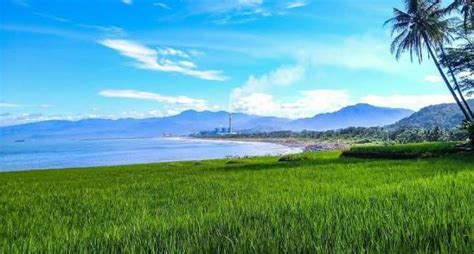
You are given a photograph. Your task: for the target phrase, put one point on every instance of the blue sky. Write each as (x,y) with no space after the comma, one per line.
(138,58)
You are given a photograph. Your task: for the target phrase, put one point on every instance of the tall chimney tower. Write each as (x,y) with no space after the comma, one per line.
(230,122)
(230,115)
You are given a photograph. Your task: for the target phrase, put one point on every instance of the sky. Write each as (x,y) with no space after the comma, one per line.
(137,58)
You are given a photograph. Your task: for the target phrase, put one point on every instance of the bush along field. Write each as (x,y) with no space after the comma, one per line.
(310,202)
(406,151)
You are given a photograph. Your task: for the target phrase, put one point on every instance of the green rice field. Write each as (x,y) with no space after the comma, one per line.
(315,203)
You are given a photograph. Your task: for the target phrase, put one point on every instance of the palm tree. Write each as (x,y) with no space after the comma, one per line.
(466,8)
(422,26)
(447,64)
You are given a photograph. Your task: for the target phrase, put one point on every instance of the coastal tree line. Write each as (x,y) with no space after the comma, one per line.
(361,135)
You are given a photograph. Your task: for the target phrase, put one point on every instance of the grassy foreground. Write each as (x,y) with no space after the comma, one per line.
(318,203)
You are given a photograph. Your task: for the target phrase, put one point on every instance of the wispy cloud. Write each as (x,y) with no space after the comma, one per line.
(45,105)
(433,79)
(230,11)
(355,52)
(128,2)
(21,3)
(162,5)
(141,95)
(9,105)
(112,30)
(15,119)
(51,17)
(310,102)
(296,4)
(172,52)
(152,59)
(414,102)
(15,105)
(250,2)
(317,101)
(283,76)
(255,95)
(8,119)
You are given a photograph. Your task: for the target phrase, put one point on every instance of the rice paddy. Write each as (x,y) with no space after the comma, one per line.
(318,202)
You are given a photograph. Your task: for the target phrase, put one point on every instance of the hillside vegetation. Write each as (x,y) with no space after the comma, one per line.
(312,202)
(445,116)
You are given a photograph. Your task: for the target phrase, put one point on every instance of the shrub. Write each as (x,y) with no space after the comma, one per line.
(469,126)
(405,151)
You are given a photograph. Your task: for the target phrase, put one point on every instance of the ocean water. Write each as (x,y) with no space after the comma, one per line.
(49,154)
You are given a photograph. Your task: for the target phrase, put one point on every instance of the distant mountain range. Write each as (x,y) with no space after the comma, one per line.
(359,115)
(447,116)
(188,122)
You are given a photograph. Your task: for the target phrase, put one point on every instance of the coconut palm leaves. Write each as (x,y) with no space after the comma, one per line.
(466,8)
(422,26)
(421,17)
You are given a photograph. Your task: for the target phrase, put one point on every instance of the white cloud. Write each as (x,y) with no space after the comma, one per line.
(162,5)
(250,2)
(9,105)
(184,101)
(231,11)
(21,3)
(172,52)
(357,52)
(11,119)
(114,30)
(310,103)
(51,17)
(45,106)
(187,64)
(228,7)
(256,97)
(281,77)
(14,105)
(129,2)
(296,4)
(413,102)
(433,79)
(151,59)
(195,52)
(168,106)
(318,101)
(15,119)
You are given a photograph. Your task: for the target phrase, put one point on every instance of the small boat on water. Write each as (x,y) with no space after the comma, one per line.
(19,141)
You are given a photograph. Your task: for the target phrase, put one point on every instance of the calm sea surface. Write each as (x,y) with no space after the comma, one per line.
(86,153)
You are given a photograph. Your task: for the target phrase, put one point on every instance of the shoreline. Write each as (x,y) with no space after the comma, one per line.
(281,149)
(305,145)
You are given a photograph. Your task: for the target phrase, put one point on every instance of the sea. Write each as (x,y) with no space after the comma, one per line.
(54,154)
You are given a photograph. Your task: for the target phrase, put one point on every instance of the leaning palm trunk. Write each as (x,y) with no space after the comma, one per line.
(456,85)
(430,50)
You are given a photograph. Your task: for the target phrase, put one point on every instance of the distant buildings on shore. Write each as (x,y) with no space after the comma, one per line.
(220,130)
(217,131)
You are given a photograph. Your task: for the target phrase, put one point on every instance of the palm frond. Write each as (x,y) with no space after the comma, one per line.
(409,27)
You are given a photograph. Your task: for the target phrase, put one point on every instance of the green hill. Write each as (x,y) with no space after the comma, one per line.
(447,116)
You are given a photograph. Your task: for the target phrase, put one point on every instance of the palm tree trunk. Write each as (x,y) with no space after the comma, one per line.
(430,50)
(456,85)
